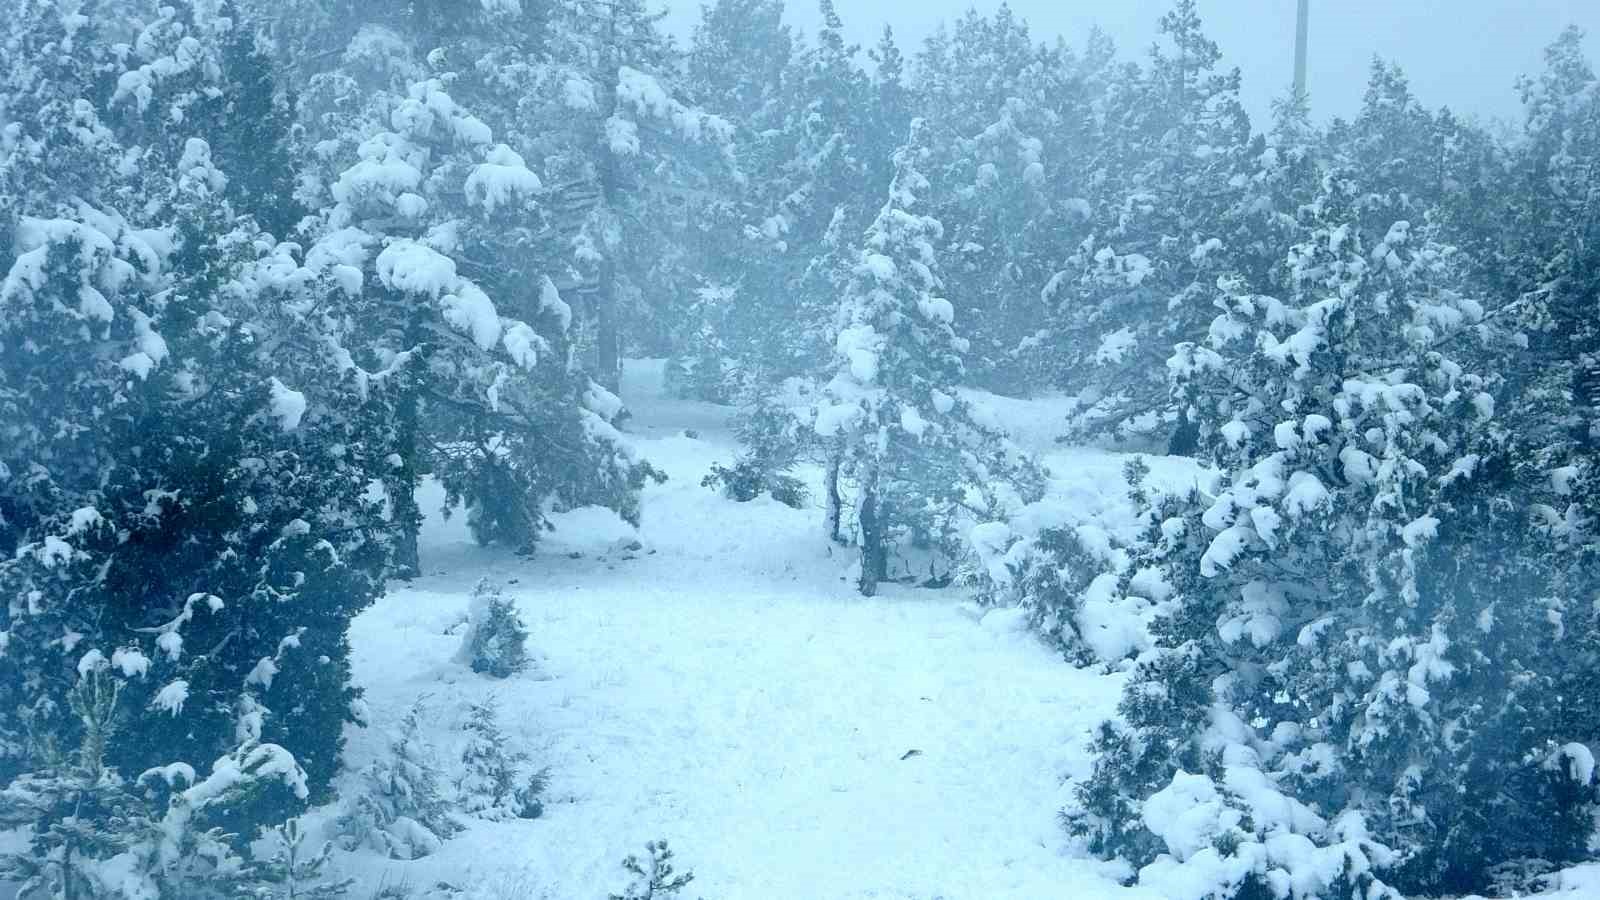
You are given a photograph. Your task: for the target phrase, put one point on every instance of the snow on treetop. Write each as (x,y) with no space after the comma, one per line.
(413,267)
(384,172)
(288,405)
(644,95)
(499,179)
(578,94)
(430,113)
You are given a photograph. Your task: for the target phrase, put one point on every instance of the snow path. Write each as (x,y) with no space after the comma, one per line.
(725,689)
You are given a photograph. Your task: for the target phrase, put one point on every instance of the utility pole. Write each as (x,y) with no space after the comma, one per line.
(1301,30)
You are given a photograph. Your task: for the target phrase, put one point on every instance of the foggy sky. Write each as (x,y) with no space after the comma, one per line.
(1466,54)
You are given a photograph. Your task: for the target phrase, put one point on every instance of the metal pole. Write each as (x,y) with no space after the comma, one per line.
(1300,33)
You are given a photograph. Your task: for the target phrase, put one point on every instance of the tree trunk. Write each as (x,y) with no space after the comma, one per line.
(1185,440)
(405,517)
(607,344)
(831,504)
(874,555)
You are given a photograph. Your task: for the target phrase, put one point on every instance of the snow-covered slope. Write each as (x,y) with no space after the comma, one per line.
(724,688)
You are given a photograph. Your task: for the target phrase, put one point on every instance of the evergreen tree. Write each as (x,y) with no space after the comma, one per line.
(1345,644)
(197,498)
(493,784)
(495,642)
(95,835)
(894,422)
(1175,141)
(442,241)
(295,872)
(400,811)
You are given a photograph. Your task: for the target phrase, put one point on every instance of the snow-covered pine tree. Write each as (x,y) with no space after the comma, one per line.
(1357,622)
(79,812)
(896,427)
(400,810)
(494,782)
(995,102)
(440,236)
(739,65)
(210,526)
(495,642)
(1548,234)
(1175,137)
(295,871)
(737,57)
(643,160)
(808,209)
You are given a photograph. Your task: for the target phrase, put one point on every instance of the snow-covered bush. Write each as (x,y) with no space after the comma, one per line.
(1072,575)
(1050,584)
(748,479)
(495,642)
(495,782)
(774,439)
(399,809)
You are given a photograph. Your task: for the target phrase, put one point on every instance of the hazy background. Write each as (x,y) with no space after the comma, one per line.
(1466,54)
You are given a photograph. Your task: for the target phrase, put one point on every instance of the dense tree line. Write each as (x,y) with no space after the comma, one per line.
(267,265)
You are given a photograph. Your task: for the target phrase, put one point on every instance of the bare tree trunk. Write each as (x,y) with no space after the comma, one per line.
(404,515)
(830,497)
(874,555)
(607,343)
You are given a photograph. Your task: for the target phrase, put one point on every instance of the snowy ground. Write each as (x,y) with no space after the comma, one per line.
(725,689)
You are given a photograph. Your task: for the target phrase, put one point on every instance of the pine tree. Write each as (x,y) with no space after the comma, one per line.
(448,252)
(295,872)
(95,835)
(495,642)
(1175,139)
(658,881)
(894,422)
(201,501)
(401,811)
(493,783)
(1345,641)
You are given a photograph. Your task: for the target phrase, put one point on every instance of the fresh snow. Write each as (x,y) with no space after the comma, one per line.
(721,685)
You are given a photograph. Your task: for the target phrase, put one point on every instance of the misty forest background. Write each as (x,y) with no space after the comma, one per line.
(270,265)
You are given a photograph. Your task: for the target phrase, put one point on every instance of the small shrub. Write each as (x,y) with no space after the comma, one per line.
(298,873)
(400,812)
(495,642)
(655,878)
(748,479)
(489,784)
